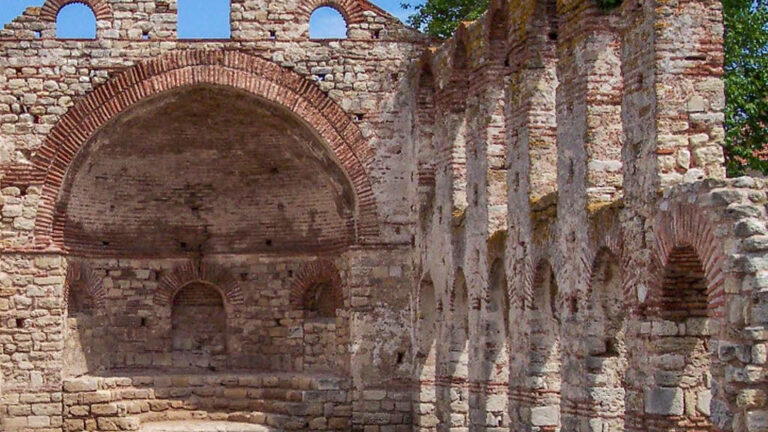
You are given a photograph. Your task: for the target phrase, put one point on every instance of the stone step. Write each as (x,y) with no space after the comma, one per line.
(203,426)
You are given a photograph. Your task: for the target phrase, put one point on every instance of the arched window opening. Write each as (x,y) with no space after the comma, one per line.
(607,352)
(682,394)
(198,327)
(327,23)
(204,19)
(321,301)
(76,21)
(79,301)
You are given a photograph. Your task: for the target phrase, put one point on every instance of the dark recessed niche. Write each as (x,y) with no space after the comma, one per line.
(272,34)
(21,322)
(143,322)
(268,242)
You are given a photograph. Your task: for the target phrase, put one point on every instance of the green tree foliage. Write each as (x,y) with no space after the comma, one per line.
(746,68)
(746,84)
(441,17)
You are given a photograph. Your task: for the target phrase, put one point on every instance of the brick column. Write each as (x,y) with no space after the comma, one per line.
(673,103)
(531,172)
(486,188)
(589,133)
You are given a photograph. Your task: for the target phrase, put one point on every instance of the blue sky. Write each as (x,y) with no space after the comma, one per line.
(197,18)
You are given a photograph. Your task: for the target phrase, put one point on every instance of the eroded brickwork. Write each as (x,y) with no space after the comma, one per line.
(525,227)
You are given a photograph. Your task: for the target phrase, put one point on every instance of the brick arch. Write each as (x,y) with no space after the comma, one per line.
(198,271)
(78,272)
(687,225)
(312,274)
(255,75)
(101,9)
(353,11)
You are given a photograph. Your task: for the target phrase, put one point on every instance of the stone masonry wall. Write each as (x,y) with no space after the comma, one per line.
(525,227)
(615,196)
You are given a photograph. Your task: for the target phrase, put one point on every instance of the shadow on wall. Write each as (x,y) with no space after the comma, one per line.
(680,357)
(452,391)
(425,414)
(606,357)
(493,400)
(201,329)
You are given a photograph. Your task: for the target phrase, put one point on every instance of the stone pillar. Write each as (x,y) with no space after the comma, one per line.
(672,119)
(589,171)
(379,336)
(31,291)
(672,107)
(446,254)
(531,172)
(486,180)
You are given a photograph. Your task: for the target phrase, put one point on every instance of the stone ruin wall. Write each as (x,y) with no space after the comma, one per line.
(542,235)
(583,264)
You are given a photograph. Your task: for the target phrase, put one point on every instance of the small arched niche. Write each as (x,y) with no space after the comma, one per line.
(198,327)
(682,393)
(426,326)
(321,301)
(606,344)
(76,21)
(497,323)
(327,22)
(426,353)
(79,301)
(544,356)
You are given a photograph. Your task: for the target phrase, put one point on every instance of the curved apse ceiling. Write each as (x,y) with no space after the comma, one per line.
(205,169)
